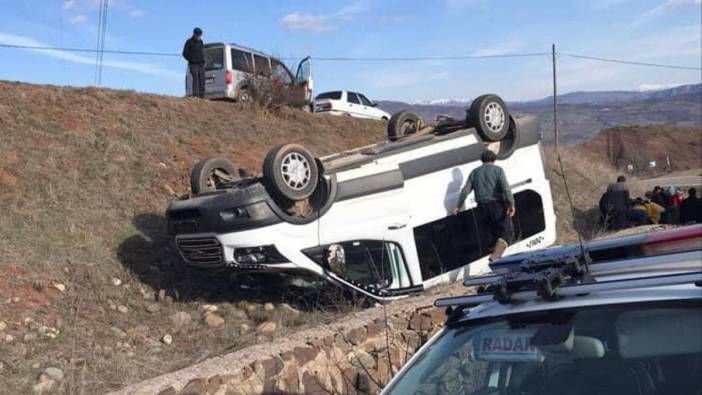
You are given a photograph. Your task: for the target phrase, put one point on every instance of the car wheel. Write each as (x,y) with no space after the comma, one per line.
(210,174)
(489,116)
(290,172)
(244,96)
(403,123)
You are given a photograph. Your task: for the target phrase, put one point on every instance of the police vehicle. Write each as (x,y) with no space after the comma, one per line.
(620,316)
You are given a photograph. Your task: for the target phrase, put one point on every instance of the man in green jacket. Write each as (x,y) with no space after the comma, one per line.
(495,201)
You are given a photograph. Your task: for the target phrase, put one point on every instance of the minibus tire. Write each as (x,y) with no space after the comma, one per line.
(290,186)
(478,119)
(396,126)
(201,177)
(506,152)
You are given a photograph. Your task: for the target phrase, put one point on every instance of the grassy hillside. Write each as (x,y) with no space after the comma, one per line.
(85,175)
(88,280)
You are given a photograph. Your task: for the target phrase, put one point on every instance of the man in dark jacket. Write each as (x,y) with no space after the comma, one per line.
(618,203)
(193,52)
(495,201)
(691,208)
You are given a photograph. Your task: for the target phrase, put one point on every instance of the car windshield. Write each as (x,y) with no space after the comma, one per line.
(623,349)
(335,95)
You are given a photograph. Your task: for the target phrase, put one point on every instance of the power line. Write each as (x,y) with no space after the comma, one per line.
(630,62)
(87,50)
(423,58)
(366,59)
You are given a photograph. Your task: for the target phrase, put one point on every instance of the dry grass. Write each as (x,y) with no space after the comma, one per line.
(85,175)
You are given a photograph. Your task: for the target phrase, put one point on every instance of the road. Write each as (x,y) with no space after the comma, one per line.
(686,178)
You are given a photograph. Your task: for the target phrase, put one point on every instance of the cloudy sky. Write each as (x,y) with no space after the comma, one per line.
(656,31)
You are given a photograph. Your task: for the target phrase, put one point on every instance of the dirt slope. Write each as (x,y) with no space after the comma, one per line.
(85,175)
(639,145)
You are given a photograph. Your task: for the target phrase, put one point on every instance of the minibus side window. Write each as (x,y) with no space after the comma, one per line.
(263,68)
(241,61)
(454,241)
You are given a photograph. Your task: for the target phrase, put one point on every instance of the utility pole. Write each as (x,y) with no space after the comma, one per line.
(555,95)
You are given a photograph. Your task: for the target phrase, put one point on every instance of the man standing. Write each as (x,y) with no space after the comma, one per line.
(691,208)
(495,201)
(193,52)
(618,202)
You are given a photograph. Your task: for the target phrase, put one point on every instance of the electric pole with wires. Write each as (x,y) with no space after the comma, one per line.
(100,46)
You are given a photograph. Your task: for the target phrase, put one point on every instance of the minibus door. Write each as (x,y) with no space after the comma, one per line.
(303,77)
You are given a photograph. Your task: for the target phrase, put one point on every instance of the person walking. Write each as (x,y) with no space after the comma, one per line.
(495,201)
(194,53)
(618,202)
(691,208)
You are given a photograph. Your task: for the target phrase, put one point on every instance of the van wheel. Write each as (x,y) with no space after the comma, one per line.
(210,174)
(403,123)
(290,172)
(489,116)
(244,96)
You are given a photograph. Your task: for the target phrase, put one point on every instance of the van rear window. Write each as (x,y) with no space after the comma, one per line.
(242,61)
(214,58)
(335,95)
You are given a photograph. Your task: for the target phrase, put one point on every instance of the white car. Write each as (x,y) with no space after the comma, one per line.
(627,320)
(348,103)
(375,219)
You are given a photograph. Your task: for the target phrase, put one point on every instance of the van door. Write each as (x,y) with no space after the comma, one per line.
(243,69)
(303,76)
(365,239)
(354,105)
(215,71)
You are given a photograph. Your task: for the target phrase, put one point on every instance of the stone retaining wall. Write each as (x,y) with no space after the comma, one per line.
(355,355)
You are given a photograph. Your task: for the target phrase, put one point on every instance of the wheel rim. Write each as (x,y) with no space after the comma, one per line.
(295,170)
(408,127)
(494,117)
(244,96)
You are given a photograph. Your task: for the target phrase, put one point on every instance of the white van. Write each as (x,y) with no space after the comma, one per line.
(229,69)
(378,218)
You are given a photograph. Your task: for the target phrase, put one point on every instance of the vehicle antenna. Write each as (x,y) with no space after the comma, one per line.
(583,249)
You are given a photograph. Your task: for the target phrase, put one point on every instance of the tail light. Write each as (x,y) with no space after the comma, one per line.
(228,77)
(324,106)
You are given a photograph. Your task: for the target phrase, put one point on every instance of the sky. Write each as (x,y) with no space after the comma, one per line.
(654,31)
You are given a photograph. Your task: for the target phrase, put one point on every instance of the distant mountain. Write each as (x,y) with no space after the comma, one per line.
(582,114)
(610,97)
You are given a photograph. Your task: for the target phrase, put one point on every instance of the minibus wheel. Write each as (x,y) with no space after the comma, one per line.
(210,174)
(290,172)
(403,123)
(489,116)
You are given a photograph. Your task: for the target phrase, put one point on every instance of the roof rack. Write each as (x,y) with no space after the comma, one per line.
(561,272)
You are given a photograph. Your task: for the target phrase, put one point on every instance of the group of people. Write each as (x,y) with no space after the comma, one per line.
(659,206)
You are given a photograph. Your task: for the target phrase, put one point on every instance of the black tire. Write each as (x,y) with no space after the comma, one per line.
(293,185)
(209,174)
(244,95)
(488,114)
(510,142)
(403,123)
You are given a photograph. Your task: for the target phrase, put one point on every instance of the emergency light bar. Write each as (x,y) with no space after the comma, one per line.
(580,289)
